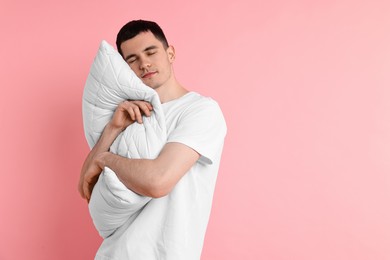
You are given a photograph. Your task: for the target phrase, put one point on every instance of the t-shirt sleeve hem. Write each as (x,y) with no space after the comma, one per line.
(204,157)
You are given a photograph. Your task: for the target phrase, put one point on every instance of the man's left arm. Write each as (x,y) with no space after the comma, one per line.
(152,177)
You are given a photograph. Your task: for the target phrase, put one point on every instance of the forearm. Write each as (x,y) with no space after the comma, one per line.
(91,169)
(108,136)
(126,113)
(155,177)
(139,175)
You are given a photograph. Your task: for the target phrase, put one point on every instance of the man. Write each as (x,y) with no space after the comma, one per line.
(181,179)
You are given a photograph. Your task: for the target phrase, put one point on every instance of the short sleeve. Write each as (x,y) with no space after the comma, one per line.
(202,127)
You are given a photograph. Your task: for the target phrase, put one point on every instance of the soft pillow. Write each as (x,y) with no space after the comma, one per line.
(111,81)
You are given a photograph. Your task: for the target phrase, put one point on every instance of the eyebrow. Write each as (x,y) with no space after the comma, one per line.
(146,49)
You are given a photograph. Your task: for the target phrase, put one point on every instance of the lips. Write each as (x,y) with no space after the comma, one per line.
(149,74)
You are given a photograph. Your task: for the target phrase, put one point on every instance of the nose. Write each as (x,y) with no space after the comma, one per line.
(144,64)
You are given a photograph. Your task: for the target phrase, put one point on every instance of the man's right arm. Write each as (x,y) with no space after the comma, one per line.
(126,113)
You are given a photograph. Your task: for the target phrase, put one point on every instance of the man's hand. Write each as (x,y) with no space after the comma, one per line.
(90,172)
(126,113)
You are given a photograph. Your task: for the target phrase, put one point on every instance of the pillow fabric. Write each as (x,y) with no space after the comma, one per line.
(111,81)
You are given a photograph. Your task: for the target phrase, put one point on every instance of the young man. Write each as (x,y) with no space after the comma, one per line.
(181,179)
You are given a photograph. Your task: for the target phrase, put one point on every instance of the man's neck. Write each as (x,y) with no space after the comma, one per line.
(170,93)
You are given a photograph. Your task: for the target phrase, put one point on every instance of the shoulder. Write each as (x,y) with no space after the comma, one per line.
(197,103)
(201,115)
(200,126)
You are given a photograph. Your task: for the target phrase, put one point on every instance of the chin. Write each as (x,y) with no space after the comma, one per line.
(152,86)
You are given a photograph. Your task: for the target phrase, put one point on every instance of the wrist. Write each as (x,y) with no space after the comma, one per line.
(101,159)
(114,129)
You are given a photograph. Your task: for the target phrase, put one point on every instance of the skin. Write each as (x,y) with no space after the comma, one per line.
(155,178)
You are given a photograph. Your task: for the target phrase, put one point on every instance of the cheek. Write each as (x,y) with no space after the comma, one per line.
(134,68)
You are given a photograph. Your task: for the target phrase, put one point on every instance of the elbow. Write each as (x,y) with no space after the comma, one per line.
(158,190)
(159,186)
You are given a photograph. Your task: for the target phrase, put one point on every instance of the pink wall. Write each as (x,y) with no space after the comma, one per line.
(305,88)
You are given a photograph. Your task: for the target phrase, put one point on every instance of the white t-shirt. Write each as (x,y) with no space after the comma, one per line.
(173,227)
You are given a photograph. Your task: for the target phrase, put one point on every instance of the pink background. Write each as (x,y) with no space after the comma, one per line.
(305,88)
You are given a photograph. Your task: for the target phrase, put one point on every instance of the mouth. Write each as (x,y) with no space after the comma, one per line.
(149,74)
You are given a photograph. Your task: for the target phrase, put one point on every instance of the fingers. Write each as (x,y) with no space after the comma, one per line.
(86,191)
(80,187)
(81,190)
(137,109)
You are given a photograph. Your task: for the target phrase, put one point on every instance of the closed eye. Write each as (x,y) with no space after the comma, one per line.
(150,53)
(131,60)
(151,50)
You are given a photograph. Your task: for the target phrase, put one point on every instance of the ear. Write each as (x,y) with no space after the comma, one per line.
(171,53)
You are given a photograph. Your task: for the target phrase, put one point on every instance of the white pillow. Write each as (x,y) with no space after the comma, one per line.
(111,81)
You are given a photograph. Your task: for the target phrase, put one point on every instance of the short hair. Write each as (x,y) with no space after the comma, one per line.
(135,27)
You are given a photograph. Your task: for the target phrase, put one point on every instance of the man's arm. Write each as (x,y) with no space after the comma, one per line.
(153,178)
(126,113)
(90,170)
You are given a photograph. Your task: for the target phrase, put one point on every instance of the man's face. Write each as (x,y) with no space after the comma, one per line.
(148,58)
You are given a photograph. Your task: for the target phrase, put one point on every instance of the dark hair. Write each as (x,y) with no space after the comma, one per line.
(135,27)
